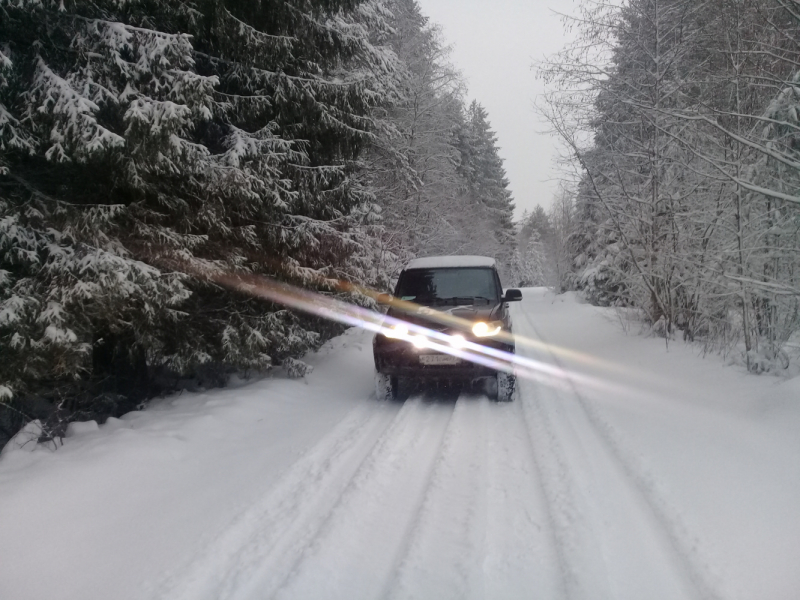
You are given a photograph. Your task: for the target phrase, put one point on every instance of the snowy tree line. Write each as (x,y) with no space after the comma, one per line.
(147,147)
(435,167)
(681,123)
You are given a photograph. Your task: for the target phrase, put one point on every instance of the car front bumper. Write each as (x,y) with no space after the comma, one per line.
(401,358)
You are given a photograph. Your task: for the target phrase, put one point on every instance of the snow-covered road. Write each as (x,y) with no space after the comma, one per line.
(675,478)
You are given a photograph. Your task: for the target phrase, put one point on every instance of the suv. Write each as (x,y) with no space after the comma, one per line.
(457,299)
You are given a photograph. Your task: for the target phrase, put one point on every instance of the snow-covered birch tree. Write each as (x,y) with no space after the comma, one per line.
(679,118)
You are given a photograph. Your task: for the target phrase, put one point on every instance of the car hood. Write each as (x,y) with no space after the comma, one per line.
(439,317)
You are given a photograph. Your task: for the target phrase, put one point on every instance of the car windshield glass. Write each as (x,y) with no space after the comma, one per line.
(448,286)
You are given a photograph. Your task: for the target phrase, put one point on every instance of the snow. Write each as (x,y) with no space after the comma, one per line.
(26,439)
(677,479)
(81,428)
(438,262)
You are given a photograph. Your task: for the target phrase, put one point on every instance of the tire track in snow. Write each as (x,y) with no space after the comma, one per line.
(686,546)
(268,532)
(484,530)
(443,556)
(355,552)
(675,537)
(523,558)
(580,557)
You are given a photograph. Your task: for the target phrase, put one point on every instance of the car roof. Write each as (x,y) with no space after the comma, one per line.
(439,262)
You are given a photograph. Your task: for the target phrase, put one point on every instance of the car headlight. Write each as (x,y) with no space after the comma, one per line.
(396,332)
(482,329)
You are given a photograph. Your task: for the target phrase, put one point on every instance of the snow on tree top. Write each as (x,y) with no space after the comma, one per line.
(434,262)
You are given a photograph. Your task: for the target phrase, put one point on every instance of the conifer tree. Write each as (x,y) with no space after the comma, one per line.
(147,147)
(486,183)
(412,164)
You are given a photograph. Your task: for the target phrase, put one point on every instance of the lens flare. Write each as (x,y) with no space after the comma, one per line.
(422,337)
(419,341)
(482,329)
(458,341)
(397,332)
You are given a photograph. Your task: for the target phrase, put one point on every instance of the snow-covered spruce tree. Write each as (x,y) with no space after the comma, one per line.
(417,164)
(486,197)
(536,230)
(412,163)
(146,147)
(529,262)
(596,260)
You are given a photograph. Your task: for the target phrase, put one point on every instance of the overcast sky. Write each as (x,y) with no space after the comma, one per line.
(494,44)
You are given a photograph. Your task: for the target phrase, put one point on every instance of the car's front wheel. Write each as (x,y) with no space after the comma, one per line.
(506,384)
(385,387)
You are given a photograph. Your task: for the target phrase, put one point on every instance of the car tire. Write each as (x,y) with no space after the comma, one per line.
(506,385)
(385,387)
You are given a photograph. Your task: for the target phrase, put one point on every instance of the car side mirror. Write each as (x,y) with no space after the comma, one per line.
(512,295)
(384,299)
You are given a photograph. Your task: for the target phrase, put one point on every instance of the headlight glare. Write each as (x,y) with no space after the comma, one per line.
(419,341)
(481,329)
(397,332)
(457,341)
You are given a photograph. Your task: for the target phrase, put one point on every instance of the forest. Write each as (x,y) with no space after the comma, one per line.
(148,147)
(679,120)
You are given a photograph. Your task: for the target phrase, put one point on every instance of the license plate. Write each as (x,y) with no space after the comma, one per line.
(439,359)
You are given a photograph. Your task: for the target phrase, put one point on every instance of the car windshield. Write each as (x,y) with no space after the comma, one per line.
(448,286)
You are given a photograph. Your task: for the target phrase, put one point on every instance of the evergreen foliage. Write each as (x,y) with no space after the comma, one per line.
(435,168)
(487,186)
(530,262)
(148,147)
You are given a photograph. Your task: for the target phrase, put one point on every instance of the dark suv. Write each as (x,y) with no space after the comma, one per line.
(458,300)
